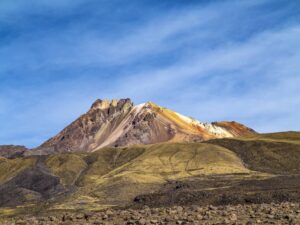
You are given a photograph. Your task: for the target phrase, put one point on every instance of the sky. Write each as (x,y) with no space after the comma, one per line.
(211,60)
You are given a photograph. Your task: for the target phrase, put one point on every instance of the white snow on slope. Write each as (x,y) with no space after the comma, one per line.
(213,129)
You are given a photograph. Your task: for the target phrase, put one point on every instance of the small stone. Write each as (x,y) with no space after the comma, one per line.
(233,217)
(211,207)
(97,223)
(109,213)
(21,222)
(226,221)
(142,221)
(179,209)
(52,218)
(87,216)
(123,213)
(205,217)
(80,216)
(199,217)
(172,211)
(105,217)
(135,217)
(194,207)
(224,213)
(288,216)
(154,221)
(67,218)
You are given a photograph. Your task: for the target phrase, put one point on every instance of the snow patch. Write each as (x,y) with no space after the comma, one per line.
(219,131)
(189,120)
(138,108)
(210,128)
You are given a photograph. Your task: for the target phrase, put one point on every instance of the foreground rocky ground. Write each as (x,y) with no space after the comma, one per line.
(283,213)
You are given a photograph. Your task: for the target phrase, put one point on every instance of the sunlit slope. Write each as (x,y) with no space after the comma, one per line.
(66,166)
(189,129)
(177,160)
(116,175)
(9,168)
(161,162)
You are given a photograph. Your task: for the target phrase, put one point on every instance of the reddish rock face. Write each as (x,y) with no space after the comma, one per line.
(121,123)
(83,133)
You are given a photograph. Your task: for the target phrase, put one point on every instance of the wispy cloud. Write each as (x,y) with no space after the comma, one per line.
(233,60)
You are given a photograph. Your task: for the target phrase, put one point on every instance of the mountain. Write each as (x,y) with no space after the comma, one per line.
(121,123)
(123,155)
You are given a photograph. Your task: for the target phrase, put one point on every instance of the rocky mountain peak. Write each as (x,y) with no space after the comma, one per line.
(114,103)
(118,122)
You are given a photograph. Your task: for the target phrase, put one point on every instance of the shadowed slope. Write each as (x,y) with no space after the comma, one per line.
(272,153)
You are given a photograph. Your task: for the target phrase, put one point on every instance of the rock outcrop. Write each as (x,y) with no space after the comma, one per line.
(12,151)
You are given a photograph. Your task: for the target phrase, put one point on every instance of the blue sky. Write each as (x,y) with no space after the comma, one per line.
(212,60)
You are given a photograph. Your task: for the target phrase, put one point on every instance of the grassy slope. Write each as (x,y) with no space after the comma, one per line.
(114,176)
(66,166)
(273,153)
(286,137)
(9,168)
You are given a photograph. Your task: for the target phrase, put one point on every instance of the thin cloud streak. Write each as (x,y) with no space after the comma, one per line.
(252,55)
(208,61)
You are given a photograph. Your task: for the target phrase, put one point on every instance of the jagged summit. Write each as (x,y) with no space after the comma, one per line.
(105,104)
(121,123)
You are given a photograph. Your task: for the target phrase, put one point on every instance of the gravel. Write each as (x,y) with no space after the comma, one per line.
(283,213)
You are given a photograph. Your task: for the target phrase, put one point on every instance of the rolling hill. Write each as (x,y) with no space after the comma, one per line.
(210,172)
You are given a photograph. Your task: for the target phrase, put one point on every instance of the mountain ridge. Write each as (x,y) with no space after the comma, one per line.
(121,123)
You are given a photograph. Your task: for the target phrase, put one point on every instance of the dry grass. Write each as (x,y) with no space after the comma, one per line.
(277,153)
(114,176)
(287,137)
(66,166)
(9,168)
